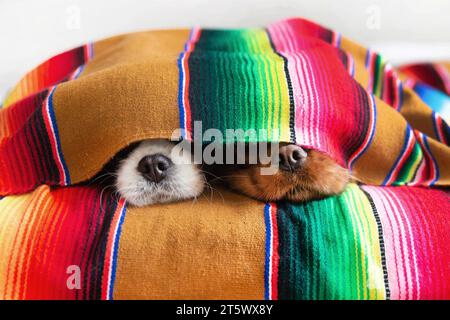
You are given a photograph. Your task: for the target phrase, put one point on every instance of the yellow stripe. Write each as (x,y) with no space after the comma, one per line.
(348,201)
(414,166)
(11,211)
(369,237)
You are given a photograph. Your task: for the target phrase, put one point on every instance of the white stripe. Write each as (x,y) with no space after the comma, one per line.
(111,259)
(444,74)
(371,130)
(271,252)
(47,110)
(183,89)
(401,246)
(411,240)
(77,72)
(298,87)
(317,107)
(389,237)
(314,107)
(402,158)
(303,88)
(398,93)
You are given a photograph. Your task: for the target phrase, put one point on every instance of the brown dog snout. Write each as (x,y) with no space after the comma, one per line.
(291,157)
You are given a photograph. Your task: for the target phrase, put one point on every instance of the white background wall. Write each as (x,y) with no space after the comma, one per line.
(33,30)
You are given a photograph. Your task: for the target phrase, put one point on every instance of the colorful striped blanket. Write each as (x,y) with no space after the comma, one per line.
(64,237)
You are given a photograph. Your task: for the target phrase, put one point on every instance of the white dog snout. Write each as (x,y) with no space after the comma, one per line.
(150,174)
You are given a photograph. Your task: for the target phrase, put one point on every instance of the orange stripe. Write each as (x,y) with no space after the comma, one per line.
(35,242)
(32,214)
(13,211)
(12,259)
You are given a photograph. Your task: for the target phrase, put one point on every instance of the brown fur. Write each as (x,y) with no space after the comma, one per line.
(319,177)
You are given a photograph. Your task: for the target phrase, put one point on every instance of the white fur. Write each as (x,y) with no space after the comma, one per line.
(184,179)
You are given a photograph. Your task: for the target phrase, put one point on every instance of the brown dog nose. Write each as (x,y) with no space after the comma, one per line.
(291,157)
(154,167)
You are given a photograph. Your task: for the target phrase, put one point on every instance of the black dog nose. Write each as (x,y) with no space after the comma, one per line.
(154,167)
(291,157)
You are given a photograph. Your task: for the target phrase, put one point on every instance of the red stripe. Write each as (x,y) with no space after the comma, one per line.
(430,168)
(402,160)
(187,107)
(109,250)
(440,131)
(86,53)
(52,138)
(187,111)
(388,87)
(275,255)
(372,128)
(396,94)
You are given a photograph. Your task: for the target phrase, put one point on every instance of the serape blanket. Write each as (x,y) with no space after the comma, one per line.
(63,237)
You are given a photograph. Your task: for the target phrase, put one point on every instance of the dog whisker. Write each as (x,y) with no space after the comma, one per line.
(149,174)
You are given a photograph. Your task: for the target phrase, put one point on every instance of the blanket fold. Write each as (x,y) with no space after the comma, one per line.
(63,237)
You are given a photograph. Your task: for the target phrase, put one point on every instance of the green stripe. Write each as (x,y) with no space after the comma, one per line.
(406,174)
(378,75)
(236,82)
(320,258)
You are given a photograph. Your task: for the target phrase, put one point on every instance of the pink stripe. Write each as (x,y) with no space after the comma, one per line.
(428,159)
(400,244)
(350,64)
(398,94)
(284,46)
(274,253)
(399,166)
(439,130)
(420,174)
(444,74)
(307,101)
(370,133)
(301,98)
(410,249)
(392,247)
(387,86)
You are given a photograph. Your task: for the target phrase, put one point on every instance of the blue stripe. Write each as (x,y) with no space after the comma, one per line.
(191,33)
(372,132)
(425,142)
(435,99)
(180,95)
(115,252)
(56,133)
(181,105)
(405,146)
(91,50)
(352,73)
(79,70)
(435,126)
(366,63)
(268,244)
(338,40)
(400,96)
